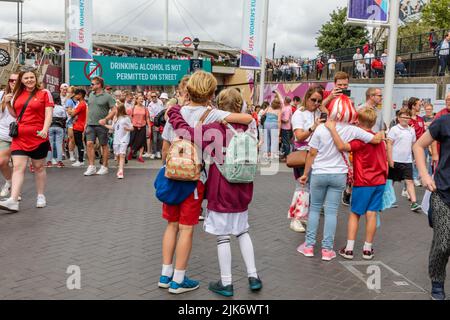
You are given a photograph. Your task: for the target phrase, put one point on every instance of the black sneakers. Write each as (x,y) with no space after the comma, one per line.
(437,291)
(255,284)
(219,288)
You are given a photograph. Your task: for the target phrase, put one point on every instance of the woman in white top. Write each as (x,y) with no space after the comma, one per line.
(304,123)
(328,181)
(5,139)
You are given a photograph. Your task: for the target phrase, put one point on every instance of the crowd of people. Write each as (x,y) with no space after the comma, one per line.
(349,156)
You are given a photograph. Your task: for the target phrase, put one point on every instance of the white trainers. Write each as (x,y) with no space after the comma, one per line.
(72,159)
(405,193)
(9,205)
(152,156)
(91,170)
(103,170)
(146,155)
(6,189)
(78,164)
(297,226)
(41,202)
(158,155)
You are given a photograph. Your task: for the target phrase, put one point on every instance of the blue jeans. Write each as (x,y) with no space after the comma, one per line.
(56,136)
(271,137)
(326,190)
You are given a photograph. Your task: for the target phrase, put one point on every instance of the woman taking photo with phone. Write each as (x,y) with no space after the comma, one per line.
(304,122)
(33,109)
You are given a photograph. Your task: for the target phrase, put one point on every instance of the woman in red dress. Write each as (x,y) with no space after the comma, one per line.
(32,140)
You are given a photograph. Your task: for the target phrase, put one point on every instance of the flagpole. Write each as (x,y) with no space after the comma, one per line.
(265,23)
(67,44)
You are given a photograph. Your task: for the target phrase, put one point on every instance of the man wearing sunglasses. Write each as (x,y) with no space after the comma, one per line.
(155,106)
(101,110)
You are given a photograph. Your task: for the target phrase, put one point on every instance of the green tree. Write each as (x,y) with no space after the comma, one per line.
(335,34)
(437,13)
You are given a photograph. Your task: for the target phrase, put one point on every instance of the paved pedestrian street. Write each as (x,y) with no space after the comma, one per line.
(112,231)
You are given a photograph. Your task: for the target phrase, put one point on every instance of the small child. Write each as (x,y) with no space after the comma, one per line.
(400,141)
(370,173)
(227,203)
(122,127)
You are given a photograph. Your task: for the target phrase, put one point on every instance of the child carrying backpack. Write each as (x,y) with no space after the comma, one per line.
(228,201)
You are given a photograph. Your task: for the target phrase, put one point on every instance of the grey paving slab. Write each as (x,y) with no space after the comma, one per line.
(112,230)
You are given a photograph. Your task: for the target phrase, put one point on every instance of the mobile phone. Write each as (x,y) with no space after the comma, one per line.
(324,116)
(346,92)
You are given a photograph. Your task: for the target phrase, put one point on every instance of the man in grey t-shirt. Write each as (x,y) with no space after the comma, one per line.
(374,98)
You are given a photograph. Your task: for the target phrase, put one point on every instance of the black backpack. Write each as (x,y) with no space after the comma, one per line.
(160,120)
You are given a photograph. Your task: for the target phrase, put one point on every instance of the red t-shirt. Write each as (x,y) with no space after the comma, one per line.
(377,64)
(369,163)
(80,112)
(418,125)
(32,120)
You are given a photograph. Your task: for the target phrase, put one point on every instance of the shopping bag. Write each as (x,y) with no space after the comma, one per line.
(389,197)
(299,208)
(426,202)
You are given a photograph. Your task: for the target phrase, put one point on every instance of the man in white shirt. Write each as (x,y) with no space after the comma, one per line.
(154,106)
(356,57)
(369,57)
(444,55)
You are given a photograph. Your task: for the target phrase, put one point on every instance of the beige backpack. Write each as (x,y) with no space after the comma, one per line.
(183,161)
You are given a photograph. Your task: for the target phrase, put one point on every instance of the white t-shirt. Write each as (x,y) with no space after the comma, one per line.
(329,160)
(155,108)
(304,120)
(5,120)
(121,136)
(403,140)
(357,56)
(369,58)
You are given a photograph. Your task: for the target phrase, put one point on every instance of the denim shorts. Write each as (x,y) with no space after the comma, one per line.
(367,199)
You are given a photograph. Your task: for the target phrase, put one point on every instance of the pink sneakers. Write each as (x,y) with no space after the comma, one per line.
(328,255)
(306,251)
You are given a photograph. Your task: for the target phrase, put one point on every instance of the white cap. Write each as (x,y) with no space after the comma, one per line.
(64,85)
(164,96)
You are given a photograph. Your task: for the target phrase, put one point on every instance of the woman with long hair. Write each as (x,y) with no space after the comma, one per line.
(5,139)
(140,119)
(272,127)
(36,108)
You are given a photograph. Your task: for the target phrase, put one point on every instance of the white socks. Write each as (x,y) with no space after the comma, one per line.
(178,276)
(367,246)
(350,245)
(224,255)
(248,254)
(167,270)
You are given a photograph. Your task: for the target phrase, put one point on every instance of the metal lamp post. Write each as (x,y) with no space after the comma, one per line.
(196,43)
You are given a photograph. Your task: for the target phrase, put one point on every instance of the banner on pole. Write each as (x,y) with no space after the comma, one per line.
(368,11)
(80,30)
(252,34)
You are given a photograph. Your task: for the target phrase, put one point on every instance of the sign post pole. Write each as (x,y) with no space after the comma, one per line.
(390,69)
(265,23)
(67,44)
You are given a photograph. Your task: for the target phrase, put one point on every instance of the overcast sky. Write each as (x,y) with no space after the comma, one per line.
(293,24)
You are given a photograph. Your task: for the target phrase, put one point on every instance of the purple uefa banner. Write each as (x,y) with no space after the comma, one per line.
(368,10)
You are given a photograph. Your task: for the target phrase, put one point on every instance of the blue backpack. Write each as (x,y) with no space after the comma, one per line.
(172,192)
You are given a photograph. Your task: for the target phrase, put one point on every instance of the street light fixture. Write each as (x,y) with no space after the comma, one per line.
(196,43)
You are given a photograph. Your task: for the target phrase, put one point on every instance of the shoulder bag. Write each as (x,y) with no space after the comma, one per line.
(13,126)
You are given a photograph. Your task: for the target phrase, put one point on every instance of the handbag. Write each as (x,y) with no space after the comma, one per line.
(299,209)
(13,126)
(297,159)
(172,192)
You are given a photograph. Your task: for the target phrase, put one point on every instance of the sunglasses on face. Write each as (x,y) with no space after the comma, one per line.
(316,100)
(12,80)
(153,97)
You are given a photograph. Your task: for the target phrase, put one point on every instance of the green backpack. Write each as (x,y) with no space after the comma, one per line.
(241,159)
